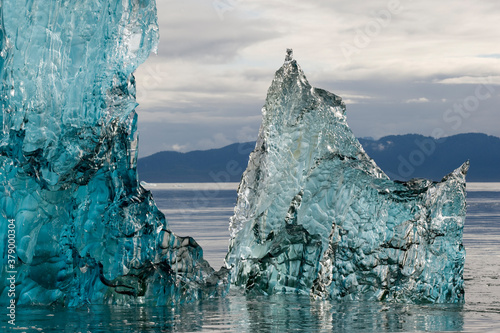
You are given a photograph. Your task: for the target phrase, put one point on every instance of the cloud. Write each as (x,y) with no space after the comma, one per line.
(210,77)
(494,55)
(417,100)
(489,80)
(247,134)
(178,147)
(217,140)
(352,98)
(192,30)
(161,136)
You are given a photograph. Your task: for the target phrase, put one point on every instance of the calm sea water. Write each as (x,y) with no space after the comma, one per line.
(202,211)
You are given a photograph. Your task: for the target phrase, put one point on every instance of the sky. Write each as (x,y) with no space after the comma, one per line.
(401,66)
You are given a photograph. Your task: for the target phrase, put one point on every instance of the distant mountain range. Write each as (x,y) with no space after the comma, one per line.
(402,157)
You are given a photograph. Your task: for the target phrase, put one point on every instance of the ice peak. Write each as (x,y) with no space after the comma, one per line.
(289,56)
(460,173)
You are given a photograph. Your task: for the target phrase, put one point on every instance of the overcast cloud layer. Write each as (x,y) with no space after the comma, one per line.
(401,66)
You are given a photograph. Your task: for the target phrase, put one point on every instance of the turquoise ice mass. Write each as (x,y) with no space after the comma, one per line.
(314,216)
(86,231)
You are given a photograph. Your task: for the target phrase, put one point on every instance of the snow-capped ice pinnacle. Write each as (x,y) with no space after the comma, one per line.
(315,215)
(75,224)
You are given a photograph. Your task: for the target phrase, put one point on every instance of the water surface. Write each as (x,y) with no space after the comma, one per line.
(202,211)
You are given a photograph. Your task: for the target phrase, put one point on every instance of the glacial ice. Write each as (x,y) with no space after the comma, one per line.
(315,215)
(85,230)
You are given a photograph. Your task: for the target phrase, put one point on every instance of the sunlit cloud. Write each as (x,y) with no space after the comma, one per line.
(417,100)
(471,80)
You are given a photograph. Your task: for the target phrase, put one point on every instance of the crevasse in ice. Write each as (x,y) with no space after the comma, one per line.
(315,215)
(85,230)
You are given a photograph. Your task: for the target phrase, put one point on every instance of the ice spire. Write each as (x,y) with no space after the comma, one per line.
(289,56)
(315,215)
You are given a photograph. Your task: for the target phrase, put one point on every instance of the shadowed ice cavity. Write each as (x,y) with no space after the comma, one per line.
(315,215)
(85,230)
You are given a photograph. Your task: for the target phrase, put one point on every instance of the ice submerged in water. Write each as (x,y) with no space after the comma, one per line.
(84,230)
(315,215)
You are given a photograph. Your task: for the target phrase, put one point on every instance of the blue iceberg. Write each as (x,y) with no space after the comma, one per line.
(84,230)
(315,215)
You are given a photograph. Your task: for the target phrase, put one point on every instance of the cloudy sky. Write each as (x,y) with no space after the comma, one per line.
(401,66)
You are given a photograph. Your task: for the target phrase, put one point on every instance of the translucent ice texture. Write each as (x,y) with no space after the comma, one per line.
(315,215)
(85,230)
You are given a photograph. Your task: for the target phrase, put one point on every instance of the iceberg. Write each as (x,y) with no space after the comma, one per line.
(316,216)
(76,225)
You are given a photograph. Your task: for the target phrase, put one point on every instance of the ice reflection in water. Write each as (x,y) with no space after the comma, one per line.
(239,313)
